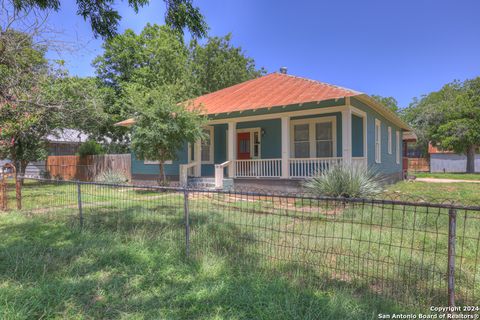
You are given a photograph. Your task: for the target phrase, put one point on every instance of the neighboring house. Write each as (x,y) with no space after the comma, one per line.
(61,142)
(279,129)
(448,161)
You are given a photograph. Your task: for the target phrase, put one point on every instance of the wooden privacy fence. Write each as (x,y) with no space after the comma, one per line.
(87,168)
(418,165)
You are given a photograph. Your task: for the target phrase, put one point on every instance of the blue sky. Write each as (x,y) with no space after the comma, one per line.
(393,48)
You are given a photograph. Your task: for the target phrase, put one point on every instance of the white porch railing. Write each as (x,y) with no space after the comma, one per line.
(258,168)
(219,174)
(360,162)
(306,167)
(183,172)
(265,168)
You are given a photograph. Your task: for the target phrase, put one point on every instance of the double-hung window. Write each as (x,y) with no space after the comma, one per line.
(389,140)
(207,145)
(313,138)
(398,144)
(324,139)
(378,141)
(301,138)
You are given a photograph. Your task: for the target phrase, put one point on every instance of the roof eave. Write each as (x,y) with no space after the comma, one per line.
(384,111)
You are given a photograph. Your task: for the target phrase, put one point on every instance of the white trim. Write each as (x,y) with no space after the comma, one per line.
(311,134)
(150,162)
(278,115)
(378,141)
(285,147)
(347,135)
(231,146)
(389,140)
(398,149)
(211,130)
(252,144)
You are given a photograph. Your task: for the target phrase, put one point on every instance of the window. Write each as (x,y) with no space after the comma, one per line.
(313,138)
(398,146)
(324,141)
(389,140)
(301,140)
(256,144)
(378,141)
(207,145)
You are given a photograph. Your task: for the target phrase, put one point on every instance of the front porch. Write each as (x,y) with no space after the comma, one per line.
(287,145)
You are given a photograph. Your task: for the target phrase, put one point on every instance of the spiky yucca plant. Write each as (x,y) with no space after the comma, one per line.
(347,181)
(112,176)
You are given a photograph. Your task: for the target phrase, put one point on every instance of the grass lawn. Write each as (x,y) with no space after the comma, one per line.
(251,257)
(458,192)
(49,270)
(459,176)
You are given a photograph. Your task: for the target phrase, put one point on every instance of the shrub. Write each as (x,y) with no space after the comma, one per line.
(347,181)
(90,148)
(112,176)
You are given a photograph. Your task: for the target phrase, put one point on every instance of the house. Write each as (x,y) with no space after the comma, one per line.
(274,131)
(414,158)
(61,142)
(449,161)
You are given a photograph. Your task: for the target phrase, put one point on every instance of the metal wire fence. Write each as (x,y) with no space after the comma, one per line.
(415,253)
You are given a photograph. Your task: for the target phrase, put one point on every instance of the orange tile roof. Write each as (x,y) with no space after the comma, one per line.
(275,89)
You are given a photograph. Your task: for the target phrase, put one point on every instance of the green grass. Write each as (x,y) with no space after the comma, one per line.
(251,257)
(457,176)
(50,270)
(458,192)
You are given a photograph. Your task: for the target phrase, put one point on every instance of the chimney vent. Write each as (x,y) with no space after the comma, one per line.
(283,70)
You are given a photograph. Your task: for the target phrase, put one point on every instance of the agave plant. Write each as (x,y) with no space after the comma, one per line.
(347,181)
(112,176)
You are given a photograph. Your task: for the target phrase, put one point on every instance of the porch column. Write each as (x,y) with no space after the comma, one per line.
(232,145)
(285,147)
(198,158)
(347,135)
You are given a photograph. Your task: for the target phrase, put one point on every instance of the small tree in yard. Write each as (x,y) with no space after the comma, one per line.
(162,127)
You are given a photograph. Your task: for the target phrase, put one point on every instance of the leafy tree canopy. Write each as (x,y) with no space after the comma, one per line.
(162,125)
(389,102)
(450,118)
(104,18)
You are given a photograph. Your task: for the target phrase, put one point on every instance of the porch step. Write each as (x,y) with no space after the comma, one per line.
(208,183)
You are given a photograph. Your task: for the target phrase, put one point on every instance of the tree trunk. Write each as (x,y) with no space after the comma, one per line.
(471,159)
(23,170)
(162,177)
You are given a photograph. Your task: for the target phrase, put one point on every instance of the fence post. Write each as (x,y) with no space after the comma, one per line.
(18,191)
(80,210)
(452,226)
(187,221)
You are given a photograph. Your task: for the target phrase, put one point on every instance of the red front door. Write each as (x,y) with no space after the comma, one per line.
(243,145)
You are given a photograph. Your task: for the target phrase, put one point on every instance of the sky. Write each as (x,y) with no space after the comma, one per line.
(403,48)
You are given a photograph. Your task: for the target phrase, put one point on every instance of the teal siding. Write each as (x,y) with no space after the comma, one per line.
(388,164)
(357,136)
(271,139)
(338,116)
(139,167)
(219,149)
(271,142)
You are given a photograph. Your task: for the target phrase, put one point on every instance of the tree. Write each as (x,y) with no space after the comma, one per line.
(104,18)
(158,59)
(389,102)
(450,118)
(218,64)
(162,126)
